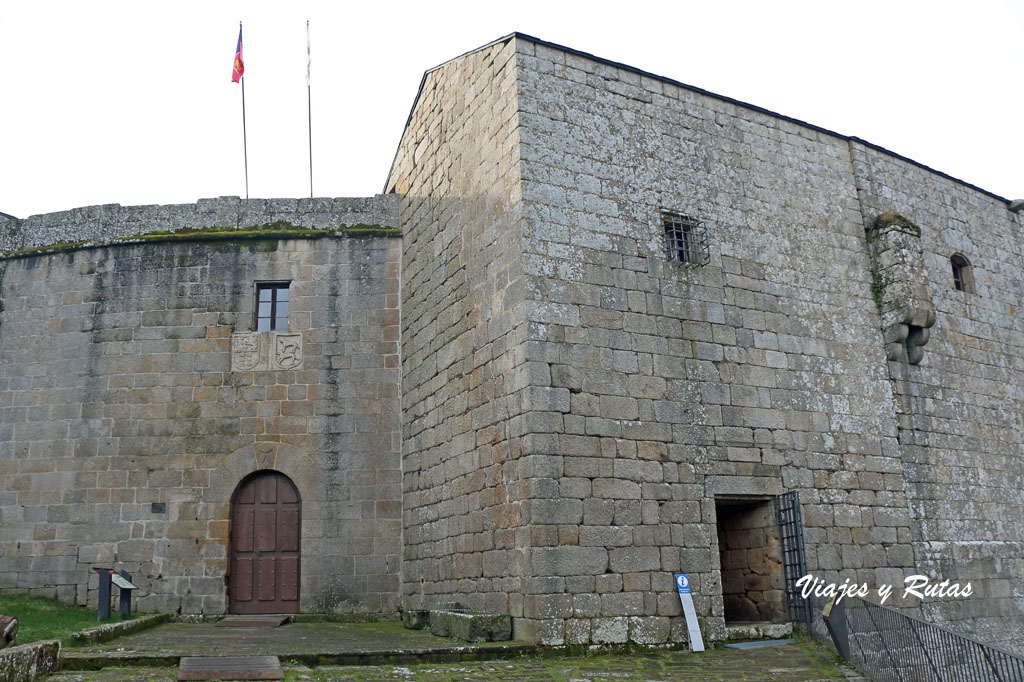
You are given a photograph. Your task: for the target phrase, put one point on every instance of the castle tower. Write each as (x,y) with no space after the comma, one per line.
(635,314)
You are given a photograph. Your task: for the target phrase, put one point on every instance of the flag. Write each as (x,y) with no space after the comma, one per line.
(239,67)
(307,54)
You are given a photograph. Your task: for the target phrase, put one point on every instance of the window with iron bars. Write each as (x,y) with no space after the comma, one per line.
(686,239)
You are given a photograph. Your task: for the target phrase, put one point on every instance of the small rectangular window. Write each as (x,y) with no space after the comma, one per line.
(686,239)
(272,306)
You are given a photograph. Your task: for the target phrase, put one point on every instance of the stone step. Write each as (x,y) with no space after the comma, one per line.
(229,668)
(260,621)
(750,631)
(471,627)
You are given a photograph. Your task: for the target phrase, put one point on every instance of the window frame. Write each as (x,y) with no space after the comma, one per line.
(686,239)
(275,287)
(963,273)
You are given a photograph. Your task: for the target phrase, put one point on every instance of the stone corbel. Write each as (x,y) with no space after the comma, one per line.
(900,287)
(905,340)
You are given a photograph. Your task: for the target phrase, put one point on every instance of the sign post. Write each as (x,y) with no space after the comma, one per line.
(121,580)
(686,599)
(124,581)
(103,612)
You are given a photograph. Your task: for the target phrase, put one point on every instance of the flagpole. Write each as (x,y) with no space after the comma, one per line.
(309,111)
(245,141)
(237,76)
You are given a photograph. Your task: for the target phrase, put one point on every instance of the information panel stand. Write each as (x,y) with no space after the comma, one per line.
(123,580)
(686,599)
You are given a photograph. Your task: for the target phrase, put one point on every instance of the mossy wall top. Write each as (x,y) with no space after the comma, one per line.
(112,221)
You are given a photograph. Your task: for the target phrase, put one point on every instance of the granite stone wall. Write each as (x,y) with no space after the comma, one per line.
(130,413)
(628,392)
(750,552)
(466,470)
(111,221)
(531,406)
(960,410)
(761,372)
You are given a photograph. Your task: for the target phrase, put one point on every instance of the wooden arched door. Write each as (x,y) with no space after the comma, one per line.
(265,541)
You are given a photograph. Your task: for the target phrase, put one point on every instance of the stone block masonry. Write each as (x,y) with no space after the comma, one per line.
(635,394)
(113,221)
(126,428)
(961,451)
(624,314)
(739,379)
(28,662)
(464,424)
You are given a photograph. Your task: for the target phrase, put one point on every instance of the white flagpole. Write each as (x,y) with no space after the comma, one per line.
(309,110)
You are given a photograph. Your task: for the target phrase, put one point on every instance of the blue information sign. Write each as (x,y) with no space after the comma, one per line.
(683,583)
(686,600)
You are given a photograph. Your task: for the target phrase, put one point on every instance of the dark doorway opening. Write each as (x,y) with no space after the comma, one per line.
(266,513)
(749,545)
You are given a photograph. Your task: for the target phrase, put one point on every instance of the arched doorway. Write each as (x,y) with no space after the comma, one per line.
(265,540)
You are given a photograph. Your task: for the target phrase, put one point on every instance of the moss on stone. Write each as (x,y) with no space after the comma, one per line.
(889,218)
(877,290)
(59,247)
(279,229)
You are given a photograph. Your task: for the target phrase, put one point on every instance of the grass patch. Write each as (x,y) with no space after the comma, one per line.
(877,291)
(40,618)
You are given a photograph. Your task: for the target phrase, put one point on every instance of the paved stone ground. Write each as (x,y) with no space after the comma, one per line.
(296,639)
(388,652)
(304,642)
(803,662)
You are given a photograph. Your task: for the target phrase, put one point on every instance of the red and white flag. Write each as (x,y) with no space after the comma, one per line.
(239,66)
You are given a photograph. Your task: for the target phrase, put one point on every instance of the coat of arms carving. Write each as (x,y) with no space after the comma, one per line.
(287,352)
(245,351)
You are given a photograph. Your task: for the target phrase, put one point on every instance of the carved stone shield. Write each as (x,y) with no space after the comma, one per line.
(287,352)
(245,351)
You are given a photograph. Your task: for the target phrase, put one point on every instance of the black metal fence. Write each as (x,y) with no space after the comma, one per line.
(890,646)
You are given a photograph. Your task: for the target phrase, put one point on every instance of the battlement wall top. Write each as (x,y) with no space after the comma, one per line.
(112,221)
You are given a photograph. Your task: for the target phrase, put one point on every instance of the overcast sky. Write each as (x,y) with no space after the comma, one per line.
(132,102)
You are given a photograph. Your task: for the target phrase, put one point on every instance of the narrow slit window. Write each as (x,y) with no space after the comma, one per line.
(686,239)
(272,306)
(963,278)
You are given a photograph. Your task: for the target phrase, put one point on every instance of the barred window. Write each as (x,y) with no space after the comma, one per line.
(272,306)
(686,239)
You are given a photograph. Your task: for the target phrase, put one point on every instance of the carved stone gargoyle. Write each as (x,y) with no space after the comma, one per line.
(900,286)
(8,630)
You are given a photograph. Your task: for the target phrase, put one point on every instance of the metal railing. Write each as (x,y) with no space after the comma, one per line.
(888,645)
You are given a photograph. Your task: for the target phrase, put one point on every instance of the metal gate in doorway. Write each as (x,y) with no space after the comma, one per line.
(794,558)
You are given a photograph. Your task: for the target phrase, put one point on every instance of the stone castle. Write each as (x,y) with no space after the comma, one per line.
(601,327)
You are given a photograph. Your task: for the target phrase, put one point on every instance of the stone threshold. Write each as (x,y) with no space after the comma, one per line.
(236,621)
(742,631)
